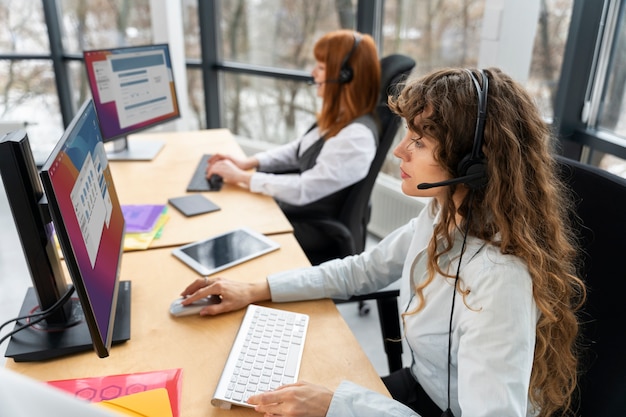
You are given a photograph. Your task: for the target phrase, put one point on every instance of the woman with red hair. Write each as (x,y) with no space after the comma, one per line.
(310,177)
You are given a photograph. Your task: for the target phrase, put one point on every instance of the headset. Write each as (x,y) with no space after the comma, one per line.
(346,73)
(472,170)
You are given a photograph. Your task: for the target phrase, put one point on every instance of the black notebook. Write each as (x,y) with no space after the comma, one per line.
(191,205)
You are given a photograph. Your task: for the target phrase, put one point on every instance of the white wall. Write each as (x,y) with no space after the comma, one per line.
(508,35)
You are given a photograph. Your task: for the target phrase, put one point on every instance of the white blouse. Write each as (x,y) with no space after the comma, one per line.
(493,328)
(344,160)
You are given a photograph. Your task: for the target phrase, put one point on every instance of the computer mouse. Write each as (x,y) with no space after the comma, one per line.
(179,310)
(215,182)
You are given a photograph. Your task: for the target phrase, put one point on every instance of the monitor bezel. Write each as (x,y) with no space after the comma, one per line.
(93,86)
(102,347)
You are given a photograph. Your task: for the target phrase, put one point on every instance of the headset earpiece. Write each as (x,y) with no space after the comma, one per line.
(474,170)
(345,71)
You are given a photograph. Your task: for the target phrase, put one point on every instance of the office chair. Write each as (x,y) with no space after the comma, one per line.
(347,233)
(600,205)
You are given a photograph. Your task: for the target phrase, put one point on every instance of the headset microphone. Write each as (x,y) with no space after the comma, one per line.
(312,82)
(464,179)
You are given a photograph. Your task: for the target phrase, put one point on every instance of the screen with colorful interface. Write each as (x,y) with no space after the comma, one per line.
(132,88)
(88,220)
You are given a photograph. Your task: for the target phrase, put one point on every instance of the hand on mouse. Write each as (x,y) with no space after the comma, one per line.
(235,295)
(230,172)
(216,182)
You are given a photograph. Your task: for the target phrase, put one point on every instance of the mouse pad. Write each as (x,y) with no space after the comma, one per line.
(191,205)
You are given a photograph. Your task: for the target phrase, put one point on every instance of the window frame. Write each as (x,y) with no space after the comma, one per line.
(581,62)
(576,139)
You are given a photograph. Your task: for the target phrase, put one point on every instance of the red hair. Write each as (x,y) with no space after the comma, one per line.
(344,102)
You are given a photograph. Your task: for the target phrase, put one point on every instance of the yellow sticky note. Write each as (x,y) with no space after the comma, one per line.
(151,403)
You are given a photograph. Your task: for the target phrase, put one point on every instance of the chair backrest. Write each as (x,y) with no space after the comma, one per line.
(601,208)
(355,213)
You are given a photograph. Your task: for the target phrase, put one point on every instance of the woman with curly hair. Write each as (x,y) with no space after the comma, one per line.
(488,267)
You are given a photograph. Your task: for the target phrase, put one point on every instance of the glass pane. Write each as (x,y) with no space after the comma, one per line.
(269,110)
(612,116)
(434,33)
(195,91)
(192,29)
(279,33)
(30,100)
(96,24)
(78,80)
(23,27)
(610,163)
(547,57)
(437,36)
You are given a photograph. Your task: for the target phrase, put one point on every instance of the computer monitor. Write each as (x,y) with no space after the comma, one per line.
(133,89)
(79,206)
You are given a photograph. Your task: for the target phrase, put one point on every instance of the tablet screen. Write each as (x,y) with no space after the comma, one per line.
(225,250)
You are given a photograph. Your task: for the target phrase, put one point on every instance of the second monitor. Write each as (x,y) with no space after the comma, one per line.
(133,89)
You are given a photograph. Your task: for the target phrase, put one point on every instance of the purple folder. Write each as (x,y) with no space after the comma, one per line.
(141,218)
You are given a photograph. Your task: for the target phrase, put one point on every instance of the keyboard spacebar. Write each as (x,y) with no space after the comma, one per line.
(291,364)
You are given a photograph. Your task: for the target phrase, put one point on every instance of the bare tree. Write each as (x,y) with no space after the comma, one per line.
(345,12)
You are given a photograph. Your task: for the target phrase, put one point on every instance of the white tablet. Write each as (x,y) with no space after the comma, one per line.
(224,250)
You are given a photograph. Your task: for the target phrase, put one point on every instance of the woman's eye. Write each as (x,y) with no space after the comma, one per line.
(416,141)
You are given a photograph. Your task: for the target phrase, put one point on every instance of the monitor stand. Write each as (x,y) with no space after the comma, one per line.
(37,343)
(123,150)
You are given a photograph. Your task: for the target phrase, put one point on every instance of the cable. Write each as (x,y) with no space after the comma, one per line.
(448,412)
(42,315)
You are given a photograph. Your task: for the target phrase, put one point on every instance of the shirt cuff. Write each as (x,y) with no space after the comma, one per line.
(351,399)
(256,183)
(262,157)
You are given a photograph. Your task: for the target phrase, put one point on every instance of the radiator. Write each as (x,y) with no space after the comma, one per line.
(390,207)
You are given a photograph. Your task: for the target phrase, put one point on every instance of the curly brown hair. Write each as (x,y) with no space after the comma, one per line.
(523,209)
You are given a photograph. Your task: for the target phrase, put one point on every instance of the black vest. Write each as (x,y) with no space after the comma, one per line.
(331,205)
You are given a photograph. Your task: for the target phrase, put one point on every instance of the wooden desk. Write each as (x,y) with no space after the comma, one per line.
(167,176)
(200,345)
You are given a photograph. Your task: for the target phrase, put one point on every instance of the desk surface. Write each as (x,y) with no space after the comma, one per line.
(200,345)
(167,175)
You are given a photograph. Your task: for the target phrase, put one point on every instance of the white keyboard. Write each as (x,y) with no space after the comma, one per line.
(265,355)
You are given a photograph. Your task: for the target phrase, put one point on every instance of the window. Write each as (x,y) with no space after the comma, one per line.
(100,24)
(591,92)
(262,54)
(439,34)
(611,116)
(31,95)
(272,36)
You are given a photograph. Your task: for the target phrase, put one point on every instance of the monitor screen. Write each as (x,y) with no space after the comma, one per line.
(79,206)
(88,220)
(132,88)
